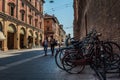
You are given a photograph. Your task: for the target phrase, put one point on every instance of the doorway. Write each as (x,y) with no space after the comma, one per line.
(22,41)
(10,40)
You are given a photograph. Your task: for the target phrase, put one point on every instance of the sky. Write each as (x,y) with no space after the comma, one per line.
(63,10)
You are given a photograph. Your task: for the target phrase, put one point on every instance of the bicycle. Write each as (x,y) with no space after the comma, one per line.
(71,61)
(64,50)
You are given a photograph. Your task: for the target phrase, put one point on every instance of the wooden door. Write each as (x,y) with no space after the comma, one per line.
(10,40)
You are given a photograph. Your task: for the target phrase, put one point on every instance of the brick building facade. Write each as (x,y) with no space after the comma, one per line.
(21,22)
(53,28)
(100,14)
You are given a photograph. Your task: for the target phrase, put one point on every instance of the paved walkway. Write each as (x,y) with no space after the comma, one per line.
(32,69)
(12,52)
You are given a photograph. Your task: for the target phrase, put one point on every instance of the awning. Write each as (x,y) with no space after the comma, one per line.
(22,32)
(2,37)
(39,38)
(29,34)
(36,36)
(11,29)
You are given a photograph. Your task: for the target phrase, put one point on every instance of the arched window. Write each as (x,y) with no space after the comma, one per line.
(11,10)
(36,22)
(40,24)
(22,14)
(35,3)
(30,19)
(12,7)
(22,3)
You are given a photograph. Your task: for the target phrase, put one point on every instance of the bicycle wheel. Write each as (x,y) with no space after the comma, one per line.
(114,59)
(100,56)
(58,58)
(73,63)
(113,47)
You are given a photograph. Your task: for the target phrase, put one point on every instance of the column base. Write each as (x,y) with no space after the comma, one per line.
(5,49)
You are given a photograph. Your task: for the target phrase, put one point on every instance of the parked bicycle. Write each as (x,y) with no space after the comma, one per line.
(67,49)
(88,51)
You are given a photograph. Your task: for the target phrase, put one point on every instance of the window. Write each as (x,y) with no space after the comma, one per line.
(35,3)
(39,8)
(36,21)
(48,28)
(29,9)
(22,16)
(22,4)
(40,25)
(30,20)
(11,8)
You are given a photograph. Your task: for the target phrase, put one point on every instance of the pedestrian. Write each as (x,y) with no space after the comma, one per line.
(45,45)
(67,41)
(52,45)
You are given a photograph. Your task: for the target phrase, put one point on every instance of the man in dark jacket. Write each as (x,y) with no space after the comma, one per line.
(52,45)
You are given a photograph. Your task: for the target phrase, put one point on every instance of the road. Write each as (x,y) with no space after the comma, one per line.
(33,65)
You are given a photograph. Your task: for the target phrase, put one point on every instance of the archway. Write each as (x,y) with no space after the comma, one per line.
(11,36)
(36,39)
(0,31)
(40,39)
(30,38)
(22,36)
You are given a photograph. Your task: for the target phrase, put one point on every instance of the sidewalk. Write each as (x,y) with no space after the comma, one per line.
(21,50)
(12,52)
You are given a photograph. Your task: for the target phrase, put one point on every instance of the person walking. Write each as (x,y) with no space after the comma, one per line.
(67,41)
(52,45)
(45,45)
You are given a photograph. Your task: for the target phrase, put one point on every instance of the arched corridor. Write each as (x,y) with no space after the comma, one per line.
(22,38)
(30,39)
(11,36)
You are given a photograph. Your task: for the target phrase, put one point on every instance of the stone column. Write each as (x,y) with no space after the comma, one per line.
(4,44)
(34,38)
(17,37)
(26,38)
(39,39)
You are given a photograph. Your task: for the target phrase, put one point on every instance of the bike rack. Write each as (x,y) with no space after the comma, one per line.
(102,73)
